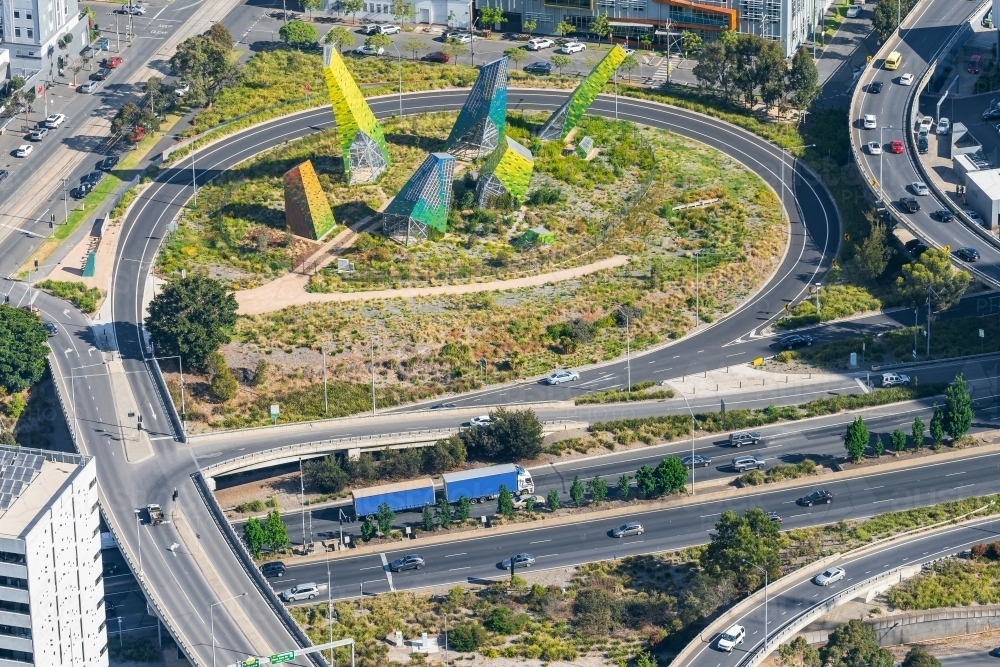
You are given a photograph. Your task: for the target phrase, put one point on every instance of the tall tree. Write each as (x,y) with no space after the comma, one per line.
(23,349)
(691,43)
(624,486)
(254,536)
(339,37)
(671,475)
(413,45)
(529,26)
(770,73)
(741,542)
(645,481)
(917,432)
(856,440)
(853,644)
(443,512)
(803,79)
(352,7)
(957,408)
(384,517)
(191,317)
(552,500)
(311,6)
(872,256)
(298,34)
(490,17)
(516,54)
(207,66)
(932,275)
(598,488)
(511,435)
(937,425)
(629,65)
(275,533)
(505,503)
(221,35)
(601,26)
(898,440)
(560,61)
(564,28)
(576,491)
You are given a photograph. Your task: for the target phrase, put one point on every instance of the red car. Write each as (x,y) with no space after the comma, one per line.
(112,62)
(896,146)
(436,57)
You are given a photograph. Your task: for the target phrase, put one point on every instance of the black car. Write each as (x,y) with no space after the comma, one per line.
(740,438)
(81,191)
(875,87)
(796,340)
(108,163)
(915,247)
(101,74)
(51,329)
(991,114)
(444,406)
(93,178)
(944,215)
(697,460)
(967,254)
(110,609)
(539,68)
(816,498)
(4,174)
(909,204)
(922,144)
(436,57)
(275,569)
(411,562)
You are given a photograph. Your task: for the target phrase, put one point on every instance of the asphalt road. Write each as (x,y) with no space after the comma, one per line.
(978,659)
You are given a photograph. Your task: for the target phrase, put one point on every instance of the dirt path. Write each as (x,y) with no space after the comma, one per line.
(289,290)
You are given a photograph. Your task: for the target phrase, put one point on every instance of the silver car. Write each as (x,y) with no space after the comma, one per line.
(519,560)
(300,592)
(561,376)
(628,529)
(831,576)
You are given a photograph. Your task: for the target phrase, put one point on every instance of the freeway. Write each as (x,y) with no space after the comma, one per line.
(924,32)
(980,659)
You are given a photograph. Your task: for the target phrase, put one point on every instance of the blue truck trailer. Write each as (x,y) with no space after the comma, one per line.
(482,484)
(400,497)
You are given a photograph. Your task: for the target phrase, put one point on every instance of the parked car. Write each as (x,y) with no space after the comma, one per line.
(538,68)
(370,28)
(108,163)
(974,216)
(922,144)
(816,498)
(967,254)
(3,175)
(628,529)
(853,12)
(943,126)
(101,74)
(875,87)
(831,576)
(111,62)
(909,204)
(93,178)
(54,121)
(896,146)
(300,592)
(573,47)
(944,215)
(697,461)
(437,57)
(273,569)
(925,124)
(522,502)
(562,376)
(729,639)
(365,50)
(388,29)
(51,329)
(410,562)
(920,188)
(519,560)
(24,150)
(906,80)
(539,43)
(892,380)
(480,421)
(38,134)
(81,191)
(796,340)
(915,247)
(182,89)
(460,38)
(874,148)
(743,463)
(991,114)
(740,438)
(775,517)
(870,121)
(89,86)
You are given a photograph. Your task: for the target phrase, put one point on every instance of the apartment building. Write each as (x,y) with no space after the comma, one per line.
(35,34)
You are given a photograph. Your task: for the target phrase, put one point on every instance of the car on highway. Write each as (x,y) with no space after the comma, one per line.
(54,121)
(444,406)
(89,86)
(538,68)
(38,134)
(874,148)
(743,463)
(436,57)
(729,639)
(518,560)
(628,529)
(481,421)
(869,121)
(875,87)
(539,43)
(920,188)
(697,461)
(775,517)
(562,376)
(24,150)
(81,191)
(273,569)
(909,204)
(108,163)
(101,74)
(906,80)
(967,254)
(974,216)
(51,329)
(896,146)
(3,175)
(410,562)
(943,126)
(853,12)
(365,50)
(892,380)
(573,47)
(522,502)
(300,592)
(944,215)
(740,438)
(93,178)
(831,576)
(796,340)
(816,498)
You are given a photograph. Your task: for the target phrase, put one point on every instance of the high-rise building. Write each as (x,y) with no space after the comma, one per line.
(51,574)
(35,35)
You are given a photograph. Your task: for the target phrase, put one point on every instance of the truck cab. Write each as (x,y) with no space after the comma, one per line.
(525,485)
(155,514)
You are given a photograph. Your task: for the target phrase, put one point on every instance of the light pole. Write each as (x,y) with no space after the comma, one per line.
(399,62)
(765,599)
(628,342)
(373,375)
(793,170)
(692,440)
(212,615)
(326,394)
(194,181)
(138,539)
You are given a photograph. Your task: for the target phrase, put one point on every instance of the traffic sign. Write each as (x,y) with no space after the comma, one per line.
(249,662)
(279,658)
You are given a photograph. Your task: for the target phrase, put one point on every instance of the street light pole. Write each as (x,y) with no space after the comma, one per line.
(692,440)
(399,61)
(764,571)
(628,344)
(138,539)
(212,614)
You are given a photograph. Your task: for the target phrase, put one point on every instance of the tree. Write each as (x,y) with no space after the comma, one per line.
(957,408)
(529,26)
(552,500)
(467,637)
(803,79)
(403,11)
(505,503)
(739,543)
(598,489)
(352,7)
(623,487)
(413,44)
(427,518)
(529,504)
(645,659)
(511,435)
(311,6)
(917,432)
(691,43)
(601,26)
(463,510)
(443,512)
(872,256)
(937,425)
(275,533)
(856,440)
(645,481)
(207,66)
(298,33)
(576,491)
(878,448)
(223,386)
(629,65)
(155,92)
(444,455)
(253,536)
(324,475)
(367,529)
(191,317)
(560,62)
(932,271)
(717,65)
(853,644)
(919,657)
(339,37)
(23,349)
(564,28)
(490,17)
(516,54)
(671,475)
(454,50)
(220,35)
(384,516)
(646,40)
(898,440)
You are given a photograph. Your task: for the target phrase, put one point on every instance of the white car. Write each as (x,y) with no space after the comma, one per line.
(24,150)
(893,380)
(89,86)
(731,637)
(906,80)
(853,11)
(39,134)
(925,125)
(969,212)
(943,126)
(629,52)
(300,592)
(460,38)
(831,576)
(522,502)
(870,121)
(539,43)
(54,121)
(388,29)
(562,376)
(480,421)
(573,47)
(874,148)
(365,50)
(920,188)
(182,89)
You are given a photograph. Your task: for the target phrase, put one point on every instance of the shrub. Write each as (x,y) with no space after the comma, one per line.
(752,478)
(467,637)
(505,622)
(546,195)
(76,293)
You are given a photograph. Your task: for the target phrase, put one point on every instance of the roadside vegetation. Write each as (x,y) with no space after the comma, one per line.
(960,582)
(83,297)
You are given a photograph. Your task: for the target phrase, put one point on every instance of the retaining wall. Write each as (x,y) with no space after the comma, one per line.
(923,626)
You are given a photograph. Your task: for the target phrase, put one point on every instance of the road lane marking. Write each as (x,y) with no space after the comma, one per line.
(705,516)
(875,502)
(952,474)
(540,542)
(963,486)
(388,573)
(456,569)
(870,488)
(450,555)
(373,567)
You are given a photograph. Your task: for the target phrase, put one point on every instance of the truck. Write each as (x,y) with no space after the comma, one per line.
(482,484)
(400,497)
(155,514)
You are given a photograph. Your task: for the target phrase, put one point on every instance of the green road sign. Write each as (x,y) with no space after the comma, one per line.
(279,658)
(250,662)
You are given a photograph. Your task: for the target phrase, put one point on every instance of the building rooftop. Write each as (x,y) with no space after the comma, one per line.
(29,479)
(987,180)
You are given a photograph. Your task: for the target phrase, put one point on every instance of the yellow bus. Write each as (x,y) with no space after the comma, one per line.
(893,60)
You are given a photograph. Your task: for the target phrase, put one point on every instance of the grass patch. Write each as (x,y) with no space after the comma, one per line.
(640,392)
(957,337)
(76,293)
(837,354)
(950,583)
(836,301)
(779,473)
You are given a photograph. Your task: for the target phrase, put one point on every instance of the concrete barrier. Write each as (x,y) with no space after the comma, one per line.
(922,626)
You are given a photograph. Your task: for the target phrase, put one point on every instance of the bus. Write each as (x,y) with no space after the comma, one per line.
(893,60)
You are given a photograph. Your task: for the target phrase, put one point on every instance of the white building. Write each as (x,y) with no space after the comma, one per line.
(35,33)
(982,195)
(51,575)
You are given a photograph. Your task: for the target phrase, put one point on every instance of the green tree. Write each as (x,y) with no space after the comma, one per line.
(917,432)
(505,503)
(576,491)
(368,529)
(884,17)
(671,475)
(598,489)
(491,17)
(254,536)
(529,26)
(339,37)
(23,349)
(352,7)
(957,408)
(454,50)
(872,256)
(937,425)
(645,41)
(275,533)
(221,35)
(552,500)
(624,487)
(207,66)
(516,54)
(16,405)
(919,657)
(645,481)
(413,45)
(427,518)
(191,317)
(324,475)
(561,62)
(443,511)
(629,65)
(467,637)
(444,455)
(803,79)
(529,504)
(739,543)
(853,644)
(645,659)
(403,11)
(856,440)
(564,28)
(223,386)
(716,67)
(898,440)
(878,448)
(601,26)
(311,6)
(378,42)
(384,517)
(511,435)
(691,43)
(463,509)
(932,275)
